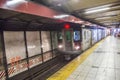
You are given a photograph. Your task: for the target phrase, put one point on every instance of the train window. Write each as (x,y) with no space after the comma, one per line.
(88,35)
(33,45)
(68,35)
(2,70)
(15,52)
(76,35)
(46,41)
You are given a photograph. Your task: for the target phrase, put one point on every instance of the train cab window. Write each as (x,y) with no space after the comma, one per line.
(68,36)
(76,35)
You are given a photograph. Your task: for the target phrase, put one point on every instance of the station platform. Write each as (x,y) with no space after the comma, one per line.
(100,62)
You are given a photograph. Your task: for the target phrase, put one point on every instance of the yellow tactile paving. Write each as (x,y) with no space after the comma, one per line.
(64,72)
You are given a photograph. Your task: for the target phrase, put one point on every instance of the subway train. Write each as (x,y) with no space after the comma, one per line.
(74,40)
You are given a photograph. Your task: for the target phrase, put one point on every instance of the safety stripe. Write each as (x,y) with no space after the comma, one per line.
(11,70)
(2,74)
(65,72)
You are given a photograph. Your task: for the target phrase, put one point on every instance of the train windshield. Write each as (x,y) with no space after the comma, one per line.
(76,35)
(68,35)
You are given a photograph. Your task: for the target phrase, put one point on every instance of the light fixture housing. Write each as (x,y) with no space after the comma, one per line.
(60,16)
(96,10)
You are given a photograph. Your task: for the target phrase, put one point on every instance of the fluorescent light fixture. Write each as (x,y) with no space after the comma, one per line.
(105,21)
(103,18)
(61,16)
(96,10)
(14,3)
(79,22)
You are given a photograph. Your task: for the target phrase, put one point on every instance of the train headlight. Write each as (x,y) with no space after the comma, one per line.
(77,47)
(60,46)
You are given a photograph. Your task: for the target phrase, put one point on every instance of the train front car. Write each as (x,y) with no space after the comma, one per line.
(69,40)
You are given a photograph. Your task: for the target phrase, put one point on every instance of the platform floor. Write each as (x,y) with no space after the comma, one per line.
(101,62)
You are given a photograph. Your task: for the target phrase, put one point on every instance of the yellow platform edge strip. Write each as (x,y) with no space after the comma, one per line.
(65,72)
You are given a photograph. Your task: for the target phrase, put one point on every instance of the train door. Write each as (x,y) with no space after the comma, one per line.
(99,34)
(68,39)
(86,40)
(94,36)
(89,38)
(93,40)
(83,39)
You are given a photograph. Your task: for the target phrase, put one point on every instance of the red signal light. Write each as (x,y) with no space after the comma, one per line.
(67,26)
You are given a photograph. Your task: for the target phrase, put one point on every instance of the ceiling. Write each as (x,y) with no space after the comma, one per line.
(102,12)
(24,17)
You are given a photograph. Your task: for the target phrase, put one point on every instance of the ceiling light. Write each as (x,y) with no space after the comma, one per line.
(60,16)
(103,18)
(13,3)
(96,10)
(79,22)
